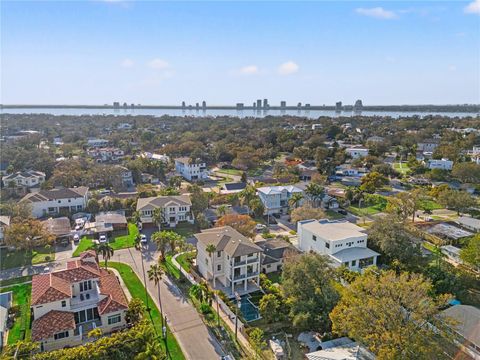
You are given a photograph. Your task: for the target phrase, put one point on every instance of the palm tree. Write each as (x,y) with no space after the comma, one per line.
(162,239)
(137,241)
(106,250)
(207,293)
(295,200)
(211,249)
(222,210)
(155,274)
(175,240)
(314,192)
(157,217)
(247,195)
(196,291)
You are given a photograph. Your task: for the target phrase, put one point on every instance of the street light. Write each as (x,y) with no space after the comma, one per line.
(239,305)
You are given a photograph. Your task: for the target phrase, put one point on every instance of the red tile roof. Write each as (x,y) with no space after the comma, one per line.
(51,323)
(116,299)
(47,288)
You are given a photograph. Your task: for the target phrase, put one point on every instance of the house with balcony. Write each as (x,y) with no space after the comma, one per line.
(57,201)
(236,263)
(275,198)
(106,154)
(345,243)
(190,169)
(174,209)
(67,304)
(24,179)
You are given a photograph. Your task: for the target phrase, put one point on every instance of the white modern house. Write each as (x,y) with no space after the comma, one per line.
(275,198)
(106,154)
(345,243)
(27,179)
(235,264)
(4,223)
(357,152)
(94,142)
(191,170)
(174,209)
(442,164)
(67,304)
(157,157)
(57,201)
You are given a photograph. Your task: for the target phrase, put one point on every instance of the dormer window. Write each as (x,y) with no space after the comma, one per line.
(86,285)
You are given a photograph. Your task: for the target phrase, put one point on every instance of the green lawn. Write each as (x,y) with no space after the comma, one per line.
(402,168)
(185,229)
(19,280)
(368,210)
(117,243)
(21,326)
(183,260)
(137,290)
(334,215)
(428,204)
(171,268)
(275,277)
(230,172)
(19,258)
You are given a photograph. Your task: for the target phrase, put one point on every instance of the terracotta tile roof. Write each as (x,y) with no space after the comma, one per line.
(116,299)
(47,288)
(88,254)
(51,323)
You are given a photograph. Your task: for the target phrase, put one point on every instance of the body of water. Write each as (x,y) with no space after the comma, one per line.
(223,112)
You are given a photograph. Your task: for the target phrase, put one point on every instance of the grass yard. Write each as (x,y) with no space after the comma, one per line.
(183,260)
(402,168)
(170,268)
(19,258)
(19,280)
(334,215)
(119,242)
(185,229)
(21,298)
(137,290)
(374,204)
(275,277)
(230,171)
(428,204)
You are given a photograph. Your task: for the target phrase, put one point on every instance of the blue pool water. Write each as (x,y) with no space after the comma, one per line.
(249,310)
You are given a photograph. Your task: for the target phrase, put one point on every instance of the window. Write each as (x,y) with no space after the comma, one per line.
(61,335)
(314,237)
(219,267)
(114,319)
(269,266)
(86,285)
(219,253)
(354,262)
(64,303)
(327,245)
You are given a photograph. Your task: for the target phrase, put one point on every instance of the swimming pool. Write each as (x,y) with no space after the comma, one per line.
(249,310)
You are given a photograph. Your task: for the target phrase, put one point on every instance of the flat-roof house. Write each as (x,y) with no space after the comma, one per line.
(174,209)
(232,188)
(60,227)
(235,264)
(118,221)
(469,223)
(57,201)
(191,169)
(357,152)
(275,198)
(345,243)
(442,164)
(26,179)
(341,349)
(67,304)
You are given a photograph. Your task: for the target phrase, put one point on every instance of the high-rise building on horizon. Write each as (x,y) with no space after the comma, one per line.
(183,104)
(259,104)
(338,106)
(358,105)
(204,105)
(283,104)
(265,103)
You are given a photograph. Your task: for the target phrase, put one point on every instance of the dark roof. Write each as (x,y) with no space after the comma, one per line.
(235,186)
(275,250)
(58,226)
(229,240)
(54,194)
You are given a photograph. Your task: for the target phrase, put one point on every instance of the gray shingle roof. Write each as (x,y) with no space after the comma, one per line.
(229,240)
(56,194)
(161,201)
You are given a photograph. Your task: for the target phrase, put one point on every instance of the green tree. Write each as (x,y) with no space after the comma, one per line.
(405,204)
(272,307)
(222,210)
(155,274)
(163,239)
(372,182)
(467,172)
(135,311)
(307,212)
(314,192)
(295,200)
(308,286)
(106,251)
(157,217)
(256,338)
(391,315)
(247,195)
(257,207)
(199,199)
(27,233)
(470,254)
(212,249)
(460,201)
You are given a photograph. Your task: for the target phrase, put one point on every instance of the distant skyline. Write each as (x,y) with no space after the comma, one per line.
(152,52)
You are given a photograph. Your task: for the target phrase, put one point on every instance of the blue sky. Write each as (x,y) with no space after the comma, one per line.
(151,52)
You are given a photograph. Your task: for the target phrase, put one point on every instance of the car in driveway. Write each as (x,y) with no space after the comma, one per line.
(260,227)
(343,212)
(102,239)
(143,239)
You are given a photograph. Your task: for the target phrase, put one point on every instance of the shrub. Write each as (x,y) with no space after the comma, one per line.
(205,309)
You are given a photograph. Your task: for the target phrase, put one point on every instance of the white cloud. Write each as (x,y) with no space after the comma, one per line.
(127,63)
(249,70)
(288,68)
(377,12)
(158,64)
(473,7)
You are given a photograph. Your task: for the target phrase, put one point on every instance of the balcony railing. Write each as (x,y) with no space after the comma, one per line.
(244,262)
(247,275)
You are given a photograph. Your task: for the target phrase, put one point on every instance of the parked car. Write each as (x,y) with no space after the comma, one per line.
(260,227)
(102,239)
(139,225)
(143,239)
(343,212)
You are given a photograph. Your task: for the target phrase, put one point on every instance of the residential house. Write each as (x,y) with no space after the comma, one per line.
(349,170)
(174,209)
(232,188)
(357,152)
(4,223)
(57,201)
(67,304)
(150,179)
(24,179)
(97,142)
(274,253)
(59,227)
(428,145)
(469,223)
(235,264)
(116,220)
(275,198)
(341,349)
(306,172)
(317,126)
(157,157)
(443,164)
(5,304)
(124,126)
(375,139)
(466,328)
(452,252)
(345,243)
(3,167)
(126,175)
(106,154)
(190,169)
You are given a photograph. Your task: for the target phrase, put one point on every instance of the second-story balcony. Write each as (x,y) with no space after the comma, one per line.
(85,299)
(246,275)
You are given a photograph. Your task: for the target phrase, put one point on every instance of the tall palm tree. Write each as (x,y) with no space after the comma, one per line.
(174,240)
(106,250)
(314,192)
(247,195)
(211,249)
(295,200)
(157,217)
(162,239)
(155,274)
